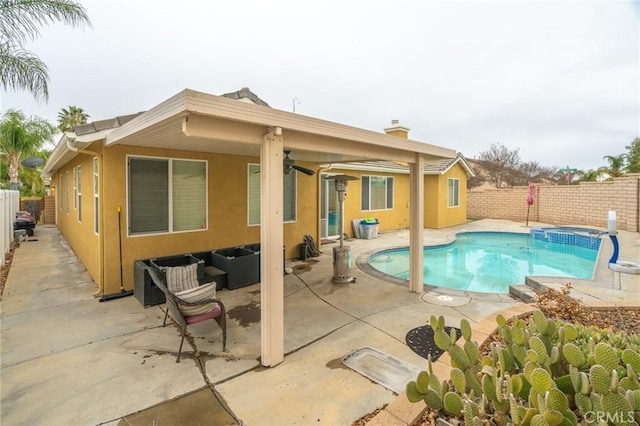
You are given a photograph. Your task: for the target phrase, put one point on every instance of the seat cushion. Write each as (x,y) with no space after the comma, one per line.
(197,294)
(181,278)
(215,313)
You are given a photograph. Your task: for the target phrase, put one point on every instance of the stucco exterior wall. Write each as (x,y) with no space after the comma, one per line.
(79,234)
(227,214)
(437,213)
(583,204)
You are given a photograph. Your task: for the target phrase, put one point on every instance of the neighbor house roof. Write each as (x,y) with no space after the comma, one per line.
(431,167)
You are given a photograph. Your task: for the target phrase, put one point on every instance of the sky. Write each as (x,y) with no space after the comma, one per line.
(557,80)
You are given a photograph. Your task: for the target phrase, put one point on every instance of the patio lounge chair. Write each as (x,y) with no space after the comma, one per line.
(190,306)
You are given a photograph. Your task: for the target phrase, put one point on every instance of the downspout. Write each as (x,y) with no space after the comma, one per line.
(319,223)
(73,148)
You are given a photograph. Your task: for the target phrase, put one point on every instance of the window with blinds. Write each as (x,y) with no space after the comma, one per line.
(377,193)
(453,192)
(96,196)
(253,191)
(79,192)
(166,195)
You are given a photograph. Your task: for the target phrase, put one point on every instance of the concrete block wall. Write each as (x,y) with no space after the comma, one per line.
(587,203)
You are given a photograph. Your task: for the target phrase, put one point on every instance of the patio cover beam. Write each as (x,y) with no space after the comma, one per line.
(416,234)
(271,255)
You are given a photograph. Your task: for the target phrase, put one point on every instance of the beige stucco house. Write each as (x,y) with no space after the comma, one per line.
(199,171)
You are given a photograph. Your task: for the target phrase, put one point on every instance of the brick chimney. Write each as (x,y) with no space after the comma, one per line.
(397,130)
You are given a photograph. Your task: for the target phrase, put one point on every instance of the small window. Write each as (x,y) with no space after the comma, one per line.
(75,187)
(377,193)
(453,192)
(60,192)
(166,195)
(66,191)
(96,194)
(253,191)
(79,192)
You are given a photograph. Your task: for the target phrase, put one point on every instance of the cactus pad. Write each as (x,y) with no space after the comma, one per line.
(606,356)
(413,394)
(432,399)
(600,379)
(617,407)
(465,328)
(459,357)
(631,357)
(422,382)
(453,404)
(557,400)
(441,338)
(573,354)
(458,380)
(541,380)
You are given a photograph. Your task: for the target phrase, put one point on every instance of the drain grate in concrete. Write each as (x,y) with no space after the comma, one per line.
(382,368)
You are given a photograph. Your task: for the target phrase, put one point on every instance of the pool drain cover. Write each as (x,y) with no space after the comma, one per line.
(445,298)
(421,341)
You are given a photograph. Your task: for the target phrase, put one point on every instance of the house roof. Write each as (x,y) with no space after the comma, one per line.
(97,126)
(201,122)
(431,167)
(245,94)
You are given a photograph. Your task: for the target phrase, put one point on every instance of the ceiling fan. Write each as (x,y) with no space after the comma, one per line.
(289,166)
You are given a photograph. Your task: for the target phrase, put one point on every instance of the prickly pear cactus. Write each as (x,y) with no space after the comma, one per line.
(544,372)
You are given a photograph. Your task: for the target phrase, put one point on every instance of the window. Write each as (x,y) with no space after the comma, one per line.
(289,194)
(60,192)
(66,191)
(166,195)
(96,193)
(75,187)
(79,192)
(453,192)
(377,193)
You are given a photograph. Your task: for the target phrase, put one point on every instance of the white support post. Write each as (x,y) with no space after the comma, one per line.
(271,255)
(416,233)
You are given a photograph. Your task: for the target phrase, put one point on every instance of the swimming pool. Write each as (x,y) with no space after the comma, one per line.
(488,262)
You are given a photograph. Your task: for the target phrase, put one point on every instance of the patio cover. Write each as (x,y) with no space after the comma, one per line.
(201,122)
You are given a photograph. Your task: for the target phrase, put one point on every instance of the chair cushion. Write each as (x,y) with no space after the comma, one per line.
(197,294)
(215,313)
(180,278)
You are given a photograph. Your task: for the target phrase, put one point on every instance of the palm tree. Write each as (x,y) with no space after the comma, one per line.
(20,137)
(20,22)
(69,119)
(589,175)
(616,165)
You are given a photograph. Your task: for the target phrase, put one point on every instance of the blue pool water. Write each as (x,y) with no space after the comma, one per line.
(488,262)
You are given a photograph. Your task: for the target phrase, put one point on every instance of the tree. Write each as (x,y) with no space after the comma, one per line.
(20,23)
(530,171)
(21,137)
(69,119)
(499,163)
(589,175)
(616,165)
(633,156)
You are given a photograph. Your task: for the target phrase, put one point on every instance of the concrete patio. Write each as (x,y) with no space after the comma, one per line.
(68,359)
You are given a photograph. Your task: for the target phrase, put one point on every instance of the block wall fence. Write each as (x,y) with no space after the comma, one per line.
(587,203)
